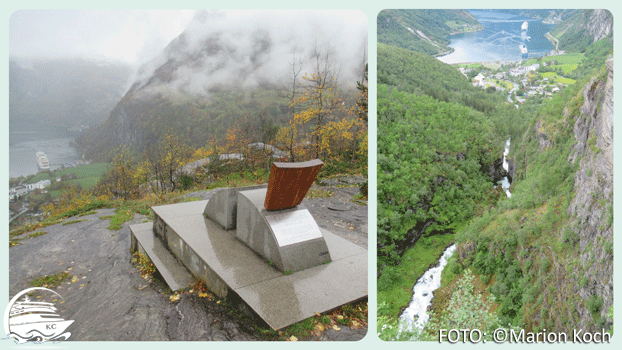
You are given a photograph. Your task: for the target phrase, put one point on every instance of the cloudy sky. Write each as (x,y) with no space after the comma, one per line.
(132,36)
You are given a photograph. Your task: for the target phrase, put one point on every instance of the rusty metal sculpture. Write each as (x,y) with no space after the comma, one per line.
(289,183)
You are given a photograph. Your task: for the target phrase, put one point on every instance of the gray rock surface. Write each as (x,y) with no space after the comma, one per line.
(109,300)
(593,201)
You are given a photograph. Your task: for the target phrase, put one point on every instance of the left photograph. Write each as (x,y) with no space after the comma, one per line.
(187,175)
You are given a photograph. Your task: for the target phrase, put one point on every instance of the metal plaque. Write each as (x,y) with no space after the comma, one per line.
(293,227)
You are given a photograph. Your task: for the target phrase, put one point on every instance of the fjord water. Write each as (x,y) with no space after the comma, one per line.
(26,138)
(499,40)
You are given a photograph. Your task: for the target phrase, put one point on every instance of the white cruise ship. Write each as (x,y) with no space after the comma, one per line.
(42,161)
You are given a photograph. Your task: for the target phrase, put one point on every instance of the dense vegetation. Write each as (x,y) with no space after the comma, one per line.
(430,156)
(454,131)
(527,247)
(574,33)
(435,25)
(526,262)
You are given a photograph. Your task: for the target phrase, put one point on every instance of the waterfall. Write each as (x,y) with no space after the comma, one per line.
(422,295)
(505,183)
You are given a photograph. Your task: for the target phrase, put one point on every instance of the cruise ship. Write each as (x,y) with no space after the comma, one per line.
(523,51)
(28,316)
(42,161)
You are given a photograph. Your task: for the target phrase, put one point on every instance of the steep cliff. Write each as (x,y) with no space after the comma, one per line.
(583,28)
(592,205)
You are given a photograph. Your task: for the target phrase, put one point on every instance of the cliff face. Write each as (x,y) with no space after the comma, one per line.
(592,205)
(583,28)
(599,24)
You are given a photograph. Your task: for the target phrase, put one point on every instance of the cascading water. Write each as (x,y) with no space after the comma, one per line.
(422,295)
(416,314)
(505,183)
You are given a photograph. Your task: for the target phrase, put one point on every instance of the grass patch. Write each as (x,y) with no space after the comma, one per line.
(360,199)
(565,59)
(354,315)
(127,209)
(566,81)
(36,234)
(144,265)
(317,193)
(52,281)
(87,213)
(73,222)
(83,171)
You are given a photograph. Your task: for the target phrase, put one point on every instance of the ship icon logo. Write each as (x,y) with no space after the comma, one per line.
(26,320)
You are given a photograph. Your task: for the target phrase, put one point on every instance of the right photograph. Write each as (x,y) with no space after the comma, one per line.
(495,175)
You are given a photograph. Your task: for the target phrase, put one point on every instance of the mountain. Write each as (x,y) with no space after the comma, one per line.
(229,69)
(583,28)
(423,30)
(541,258)
(546,15)
(64,92)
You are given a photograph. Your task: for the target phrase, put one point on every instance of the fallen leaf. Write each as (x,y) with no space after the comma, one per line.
(202,295)
(293,338)
(174,297)
(336,328)
(319,327)
(75,279)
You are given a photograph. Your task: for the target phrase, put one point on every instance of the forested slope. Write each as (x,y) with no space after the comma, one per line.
(546,253)
(423,31)
(542,259)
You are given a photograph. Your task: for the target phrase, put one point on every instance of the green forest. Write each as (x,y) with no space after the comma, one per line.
(423,30)
(541,259)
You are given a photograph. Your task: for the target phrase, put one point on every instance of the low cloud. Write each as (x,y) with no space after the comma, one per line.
(249,48)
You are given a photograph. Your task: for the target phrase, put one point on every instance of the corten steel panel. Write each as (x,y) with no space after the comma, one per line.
(289,183)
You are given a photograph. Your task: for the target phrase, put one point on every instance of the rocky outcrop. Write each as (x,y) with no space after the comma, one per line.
(592,205)
(600,24)
(592,24)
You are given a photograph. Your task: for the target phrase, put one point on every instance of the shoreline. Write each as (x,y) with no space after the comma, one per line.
(468,31)
(441,54)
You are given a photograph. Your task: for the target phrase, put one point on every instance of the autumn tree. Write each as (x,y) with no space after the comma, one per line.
(327,121)
(320,99)
(361,103)
(123,178)
(165,160)
(288,136)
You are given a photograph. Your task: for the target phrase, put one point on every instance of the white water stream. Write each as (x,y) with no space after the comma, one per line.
(416,315)
(505,183)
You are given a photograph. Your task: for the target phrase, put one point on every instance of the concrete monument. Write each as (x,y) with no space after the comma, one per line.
(258,245)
